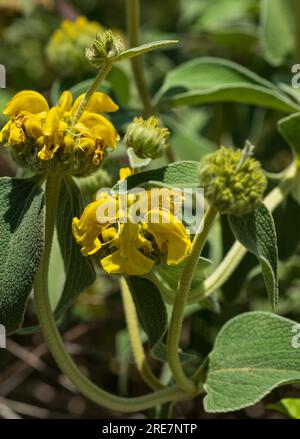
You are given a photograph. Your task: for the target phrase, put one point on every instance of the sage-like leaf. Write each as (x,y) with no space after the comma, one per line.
(79,270)
(277,30)
(253,354)
(152,314)
(151,311)
(180,175)
(289,128)
(256,231)
(144,48)
(166,278)
(21,246)
(206,79)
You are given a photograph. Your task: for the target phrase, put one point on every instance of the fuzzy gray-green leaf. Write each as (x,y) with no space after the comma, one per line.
(253,354)
(144,48)
(151,310)
(256,231)
(21,246)
(79,270)
(277,30)
(178,174)
(206,79)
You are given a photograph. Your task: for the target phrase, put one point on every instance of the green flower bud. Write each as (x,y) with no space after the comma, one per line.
(147,137)
(233,181)
(106,45)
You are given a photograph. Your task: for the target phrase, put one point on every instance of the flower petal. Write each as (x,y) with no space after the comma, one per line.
(26,100)
(88,228)
(33,127)
(51,122)
(137,265)
(16,134)
(99,127)
(108,134)
(128,259)
(98,103)
(169,232)
(65,101)
(124,173)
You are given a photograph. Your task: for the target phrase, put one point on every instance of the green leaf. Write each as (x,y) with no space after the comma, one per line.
(287,406)
(151,311)
(277,30)
(117,84)
(256,231)
(153,317)
(179,174)
(83,87)
(205,80)
(144,48)
(166,278)
(289,128)
(253,354)
(120,84)
(186,141)
(287,220)
(21,246)
(79,270)
(224,14)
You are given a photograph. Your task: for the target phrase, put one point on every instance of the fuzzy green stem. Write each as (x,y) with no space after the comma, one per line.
(55,342)
(101,75)
(180,301)
(133,26)
(135,339)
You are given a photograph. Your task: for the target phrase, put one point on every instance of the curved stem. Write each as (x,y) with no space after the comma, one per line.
(135,339)
(101,75)
(180,301)
(133,25)
(55,342)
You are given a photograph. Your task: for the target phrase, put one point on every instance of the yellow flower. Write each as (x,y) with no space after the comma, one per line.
(88,228)
(26,100)
(124,173)
(128,258)
(36,130)
(170,235)
(134,246)
(66,47)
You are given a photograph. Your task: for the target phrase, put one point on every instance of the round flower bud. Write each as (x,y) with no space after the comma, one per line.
(106,45)
(233,181)
(147,137)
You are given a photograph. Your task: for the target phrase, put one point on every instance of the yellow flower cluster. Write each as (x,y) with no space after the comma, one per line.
(65,50)
(44,138)
(130,247)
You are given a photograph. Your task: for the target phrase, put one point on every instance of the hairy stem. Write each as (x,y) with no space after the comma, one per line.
(180,301)
(133,26)
(101,75)
(135,339)
(55,342)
